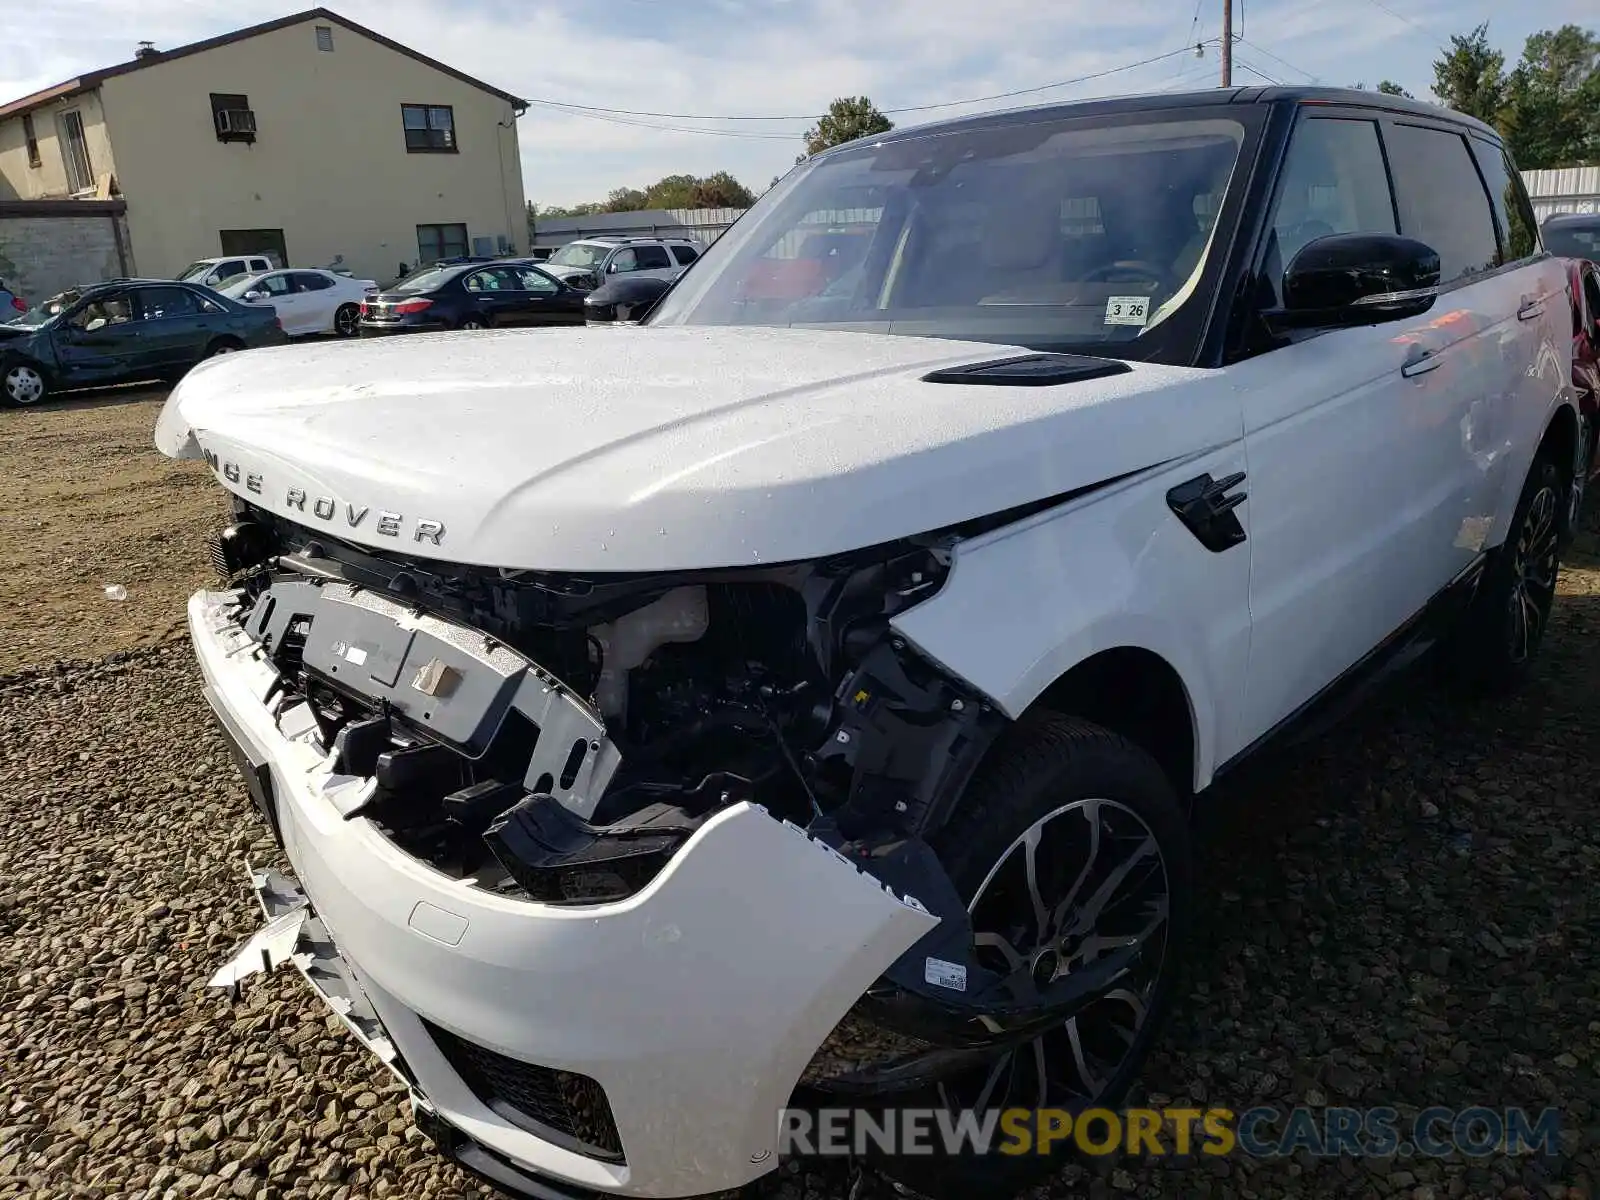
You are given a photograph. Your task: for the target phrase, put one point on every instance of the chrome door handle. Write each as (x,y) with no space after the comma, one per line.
(1421,366)
(1530,309)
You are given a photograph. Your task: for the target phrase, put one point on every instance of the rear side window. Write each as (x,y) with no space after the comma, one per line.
(684,254)
(1442,199)
(158,302)
(652,258)
(1512,210)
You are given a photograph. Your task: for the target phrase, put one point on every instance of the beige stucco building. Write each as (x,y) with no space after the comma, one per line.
(310,137)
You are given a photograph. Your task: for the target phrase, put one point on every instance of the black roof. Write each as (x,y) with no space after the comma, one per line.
(1166,101)
(1559,219)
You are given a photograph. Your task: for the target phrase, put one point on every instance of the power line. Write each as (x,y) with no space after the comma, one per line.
(1239,62)
(1193,25)
(1427,33)
(1277,58)
(593,109)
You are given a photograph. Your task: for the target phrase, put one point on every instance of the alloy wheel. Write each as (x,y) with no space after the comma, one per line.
(1534,564)
(1085,880)
(345,321)
(24,385)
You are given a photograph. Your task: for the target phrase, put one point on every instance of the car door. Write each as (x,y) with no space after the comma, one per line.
(643,262)
(548,300)
(496,294)
(170,327)
(97,343)
(1365,467)
(315,299)
(278,292)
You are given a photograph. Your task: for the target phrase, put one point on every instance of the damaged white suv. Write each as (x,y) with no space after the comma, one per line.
(802,694)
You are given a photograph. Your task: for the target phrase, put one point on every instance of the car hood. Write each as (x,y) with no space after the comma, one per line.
(666,448)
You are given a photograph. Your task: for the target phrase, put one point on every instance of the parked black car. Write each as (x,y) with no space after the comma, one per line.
(124,330)
(472,296)
(623,300)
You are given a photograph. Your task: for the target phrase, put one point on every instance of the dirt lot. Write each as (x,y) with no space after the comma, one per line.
(1408,914)
(91,505)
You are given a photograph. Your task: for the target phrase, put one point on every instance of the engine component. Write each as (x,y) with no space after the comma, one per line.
(679,616)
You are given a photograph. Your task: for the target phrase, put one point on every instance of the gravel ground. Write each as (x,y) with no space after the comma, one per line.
(1405,914)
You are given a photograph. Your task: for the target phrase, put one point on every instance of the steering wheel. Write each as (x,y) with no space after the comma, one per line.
(1130,269)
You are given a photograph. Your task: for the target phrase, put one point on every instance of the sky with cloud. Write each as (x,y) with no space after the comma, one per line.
(788,58)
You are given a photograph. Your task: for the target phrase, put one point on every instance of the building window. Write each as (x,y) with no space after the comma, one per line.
(233,117)
(440,241)
(430,128)
(74,151)
(33,141)
(325,38)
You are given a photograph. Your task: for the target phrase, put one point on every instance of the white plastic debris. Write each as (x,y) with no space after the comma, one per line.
(115,591)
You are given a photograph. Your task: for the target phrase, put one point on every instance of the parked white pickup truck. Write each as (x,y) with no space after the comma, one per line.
(647,713)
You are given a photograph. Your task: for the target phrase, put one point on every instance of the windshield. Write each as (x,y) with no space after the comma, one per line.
(576,254)
(425,280)
(52,307)
(239,284)
(197,270)
(1573,239)
(1056,235)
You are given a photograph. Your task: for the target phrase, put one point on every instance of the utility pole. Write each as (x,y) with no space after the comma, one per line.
(1227,43)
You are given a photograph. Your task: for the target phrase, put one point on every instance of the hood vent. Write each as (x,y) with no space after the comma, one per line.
(1030,370)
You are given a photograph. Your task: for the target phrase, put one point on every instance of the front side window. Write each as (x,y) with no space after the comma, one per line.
(429,128)
(1442,200)
(1333,181)
(113,309)
(1056,235)
(537,282)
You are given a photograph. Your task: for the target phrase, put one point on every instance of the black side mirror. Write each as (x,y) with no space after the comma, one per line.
(1349,279)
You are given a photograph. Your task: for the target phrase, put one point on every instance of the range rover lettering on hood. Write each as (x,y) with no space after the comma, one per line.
(328,508)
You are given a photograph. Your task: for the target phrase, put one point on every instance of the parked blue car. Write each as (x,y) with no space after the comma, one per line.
(124,330)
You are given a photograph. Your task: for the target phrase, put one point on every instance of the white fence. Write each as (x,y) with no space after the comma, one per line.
(1568,190)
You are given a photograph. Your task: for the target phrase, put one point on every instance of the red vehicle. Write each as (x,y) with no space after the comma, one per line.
(1576,237)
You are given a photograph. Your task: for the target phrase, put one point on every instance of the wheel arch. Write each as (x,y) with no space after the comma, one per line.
(1137,693)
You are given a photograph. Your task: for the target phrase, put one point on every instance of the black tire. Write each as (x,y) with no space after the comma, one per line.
(473,322)
(1588,433)
(223,345)
(347,321)
(23,382)
(1500,635)
(1051,764)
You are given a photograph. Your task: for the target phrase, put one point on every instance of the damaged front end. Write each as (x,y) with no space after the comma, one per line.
(557,740)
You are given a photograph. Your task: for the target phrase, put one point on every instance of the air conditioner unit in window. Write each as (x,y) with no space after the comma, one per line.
(236,120)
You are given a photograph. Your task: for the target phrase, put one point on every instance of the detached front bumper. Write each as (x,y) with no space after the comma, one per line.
(692,1007)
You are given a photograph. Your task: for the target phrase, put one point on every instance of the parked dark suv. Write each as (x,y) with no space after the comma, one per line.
(124,330)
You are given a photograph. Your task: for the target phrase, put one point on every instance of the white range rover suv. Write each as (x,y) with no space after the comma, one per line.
(799,698)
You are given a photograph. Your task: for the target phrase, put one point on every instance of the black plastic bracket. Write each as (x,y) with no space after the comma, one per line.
(1206,508)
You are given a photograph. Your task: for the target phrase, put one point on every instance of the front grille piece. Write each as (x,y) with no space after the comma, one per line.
(563,1107)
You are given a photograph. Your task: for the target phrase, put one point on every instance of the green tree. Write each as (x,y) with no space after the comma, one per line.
(847,118)
(1390,88)
(624,199)
(1551,116)
(721,190)
(1470,77)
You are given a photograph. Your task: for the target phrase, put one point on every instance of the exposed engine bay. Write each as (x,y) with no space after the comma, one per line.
(558,739)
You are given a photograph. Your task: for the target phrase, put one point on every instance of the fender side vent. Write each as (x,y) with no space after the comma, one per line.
(1030,370)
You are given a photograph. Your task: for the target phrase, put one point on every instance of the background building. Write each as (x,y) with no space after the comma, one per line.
(310,138)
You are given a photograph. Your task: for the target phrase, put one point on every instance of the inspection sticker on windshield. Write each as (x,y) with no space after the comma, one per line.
(1127,310)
